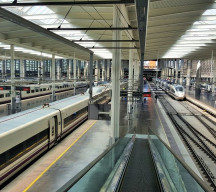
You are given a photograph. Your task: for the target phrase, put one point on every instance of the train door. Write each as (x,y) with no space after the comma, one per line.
(53,125)
(58,121)
(56,127)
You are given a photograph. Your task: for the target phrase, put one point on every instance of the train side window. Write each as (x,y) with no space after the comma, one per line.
(15,150)
(3,158)
(1,95)
(36,90)
(7,95)
(74,116)
(12,154)
(41,90)
(44,89)
(32,91)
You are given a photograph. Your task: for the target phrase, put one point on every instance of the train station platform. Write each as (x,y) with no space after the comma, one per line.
(204,100)
(91,142)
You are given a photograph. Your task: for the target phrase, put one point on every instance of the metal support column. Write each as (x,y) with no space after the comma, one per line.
(213,77)
(58,68)
(103,70)
(86,70)
(141,72)
(53,97)
(22,69)
(136,74)
(156,76)
(130,81)
(13,88)
(122,70)
(173,66)
(162,68)
(166,69)
(181,71)
(74,70)
(213,73)
(188,78)
(69,68)
(177,71)
(78,69)
(3,68)
(116,64)
(108,70)
(90,76)
(142,18)
(43,70)
(198,79)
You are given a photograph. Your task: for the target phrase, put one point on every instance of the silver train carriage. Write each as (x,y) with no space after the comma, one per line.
(35,90)
(26,135)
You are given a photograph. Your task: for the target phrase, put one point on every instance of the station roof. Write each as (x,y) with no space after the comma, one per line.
(176,28)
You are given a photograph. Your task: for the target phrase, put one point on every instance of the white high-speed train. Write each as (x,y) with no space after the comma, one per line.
(176,91)
(35,90)
(26,135)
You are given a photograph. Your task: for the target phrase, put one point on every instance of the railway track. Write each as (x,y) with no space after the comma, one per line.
(201,147)
(201,119)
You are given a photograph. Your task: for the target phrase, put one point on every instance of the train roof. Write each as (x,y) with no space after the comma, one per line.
(15,120)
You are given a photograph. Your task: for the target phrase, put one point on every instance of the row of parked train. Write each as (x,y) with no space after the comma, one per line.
(26,135)
(175,90)
(35,90)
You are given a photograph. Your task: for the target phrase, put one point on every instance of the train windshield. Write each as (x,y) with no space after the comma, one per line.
(179,89)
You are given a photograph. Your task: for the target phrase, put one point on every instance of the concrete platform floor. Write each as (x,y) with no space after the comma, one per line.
(203,96)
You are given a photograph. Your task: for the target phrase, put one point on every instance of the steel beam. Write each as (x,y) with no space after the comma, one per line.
(92,29)
(27,24)
(90,74)
(13,88)
(142,18)
(133,40)
(65,3)
(53,67)
(112,47)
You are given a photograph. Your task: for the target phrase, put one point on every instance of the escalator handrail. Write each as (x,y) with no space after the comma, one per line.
(77,177)
(191,172)
(84,171)
(114,180)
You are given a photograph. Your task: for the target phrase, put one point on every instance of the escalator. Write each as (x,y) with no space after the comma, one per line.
(136,163)
(140,174)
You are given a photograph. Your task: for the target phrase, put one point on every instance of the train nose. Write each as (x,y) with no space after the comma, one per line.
(180,94)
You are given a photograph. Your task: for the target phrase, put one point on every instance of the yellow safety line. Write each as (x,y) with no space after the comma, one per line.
(56,159)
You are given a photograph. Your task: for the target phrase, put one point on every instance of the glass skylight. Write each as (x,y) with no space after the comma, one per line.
(47,18)
(197,37)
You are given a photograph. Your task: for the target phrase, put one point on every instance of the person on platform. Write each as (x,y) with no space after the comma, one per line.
(156,98)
